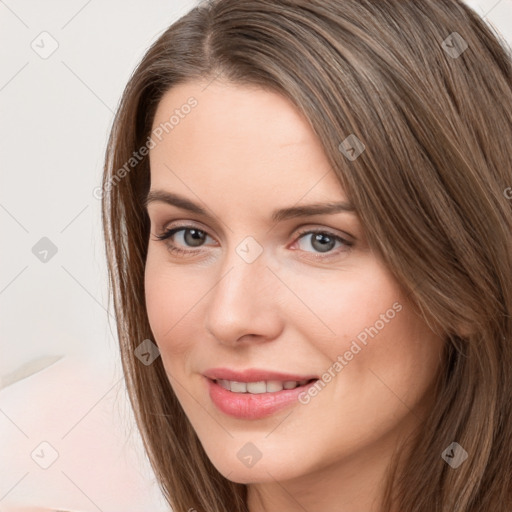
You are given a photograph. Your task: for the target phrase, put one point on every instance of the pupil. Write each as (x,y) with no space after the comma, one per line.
(323,247)
(196,239)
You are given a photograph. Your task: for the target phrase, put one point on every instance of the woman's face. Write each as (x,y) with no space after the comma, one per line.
(274,299)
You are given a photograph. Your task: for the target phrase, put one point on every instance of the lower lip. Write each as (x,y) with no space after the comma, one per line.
(250,406)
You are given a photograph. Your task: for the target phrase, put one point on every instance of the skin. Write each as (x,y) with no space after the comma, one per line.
(241,153)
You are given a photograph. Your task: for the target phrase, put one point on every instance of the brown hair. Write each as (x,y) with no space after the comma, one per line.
(436,119)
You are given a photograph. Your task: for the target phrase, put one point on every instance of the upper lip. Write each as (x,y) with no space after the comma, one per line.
(253,375)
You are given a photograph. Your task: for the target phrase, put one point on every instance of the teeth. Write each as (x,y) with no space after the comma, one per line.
(270,386)
(257,387)
(274,385)
(238,387)
(224,384)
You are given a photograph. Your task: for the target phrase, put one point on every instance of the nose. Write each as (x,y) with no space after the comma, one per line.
(244,303)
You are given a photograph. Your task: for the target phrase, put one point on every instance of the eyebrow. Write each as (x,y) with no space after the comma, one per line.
(277,216)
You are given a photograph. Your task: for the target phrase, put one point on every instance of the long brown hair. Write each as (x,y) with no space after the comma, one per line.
(426,85)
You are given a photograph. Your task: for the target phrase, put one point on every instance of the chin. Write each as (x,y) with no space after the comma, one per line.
(267,469)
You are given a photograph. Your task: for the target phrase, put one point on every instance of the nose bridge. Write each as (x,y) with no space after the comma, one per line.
(245,277)
(241,301)
(246,267)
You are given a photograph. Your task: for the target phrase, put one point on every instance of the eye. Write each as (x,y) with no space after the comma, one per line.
(323,242)
(190,236)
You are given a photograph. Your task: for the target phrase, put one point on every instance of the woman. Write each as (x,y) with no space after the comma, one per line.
(309,243)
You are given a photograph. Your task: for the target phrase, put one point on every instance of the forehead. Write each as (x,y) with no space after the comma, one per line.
(236,111)
(238,139)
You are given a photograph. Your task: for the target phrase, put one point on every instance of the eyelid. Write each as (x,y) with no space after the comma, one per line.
(303,228)
(184,224)
(166,231)
(307,228)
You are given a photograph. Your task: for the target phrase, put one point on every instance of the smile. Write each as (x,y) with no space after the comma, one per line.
(255,400)
(270,386)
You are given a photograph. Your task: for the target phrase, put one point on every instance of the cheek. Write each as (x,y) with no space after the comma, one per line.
(353,305)
(373,332)
(170,297)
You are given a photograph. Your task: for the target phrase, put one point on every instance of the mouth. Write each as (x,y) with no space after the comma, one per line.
(256,399)
(261,386)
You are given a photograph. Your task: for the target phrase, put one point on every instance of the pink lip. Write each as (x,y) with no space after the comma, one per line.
(250,406)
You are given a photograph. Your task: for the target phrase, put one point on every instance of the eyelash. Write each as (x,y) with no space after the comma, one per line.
(166,235)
